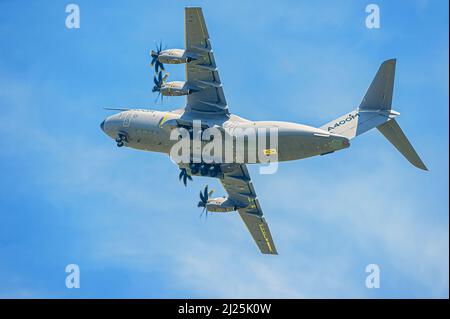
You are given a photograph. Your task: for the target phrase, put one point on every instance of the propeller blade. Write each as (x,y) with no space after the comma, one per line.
(189,177)
(155,54)
(180,176)
(203,199)
(185,180)
(203,210)
(157,98)
(205,193)
(154,59)
(155,80)
(201,204)
(161,66)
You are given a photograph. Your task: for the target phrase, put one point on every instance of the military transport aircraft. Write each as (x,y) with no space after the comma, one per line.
(150,130)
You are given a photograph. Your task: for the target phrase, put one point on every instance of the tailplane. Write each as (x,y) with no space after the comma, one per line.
(394,134)
(375,110)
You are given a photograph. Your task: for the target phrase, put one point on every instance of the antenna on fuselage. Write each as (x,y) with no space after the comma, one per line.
(116,109)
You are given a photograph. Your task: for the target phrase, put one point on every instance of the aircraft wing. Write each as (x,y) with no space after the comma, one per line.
(201,73)
(239,187)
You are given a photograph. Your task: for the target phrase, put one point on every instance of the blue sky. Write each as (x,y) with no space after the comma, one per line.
(69,195)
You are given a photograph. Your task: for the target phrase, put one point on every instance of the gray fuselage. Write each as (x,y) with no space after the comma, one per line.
(150,131)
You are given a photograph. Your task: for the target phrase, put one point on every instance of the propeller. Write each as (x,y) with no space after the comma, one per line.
(155,54)
(159,82)
(185,176)
(204,200)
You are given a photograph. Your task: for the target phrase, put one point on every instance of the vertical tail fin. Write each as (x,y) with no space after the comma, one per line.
(379,94)
(375,110)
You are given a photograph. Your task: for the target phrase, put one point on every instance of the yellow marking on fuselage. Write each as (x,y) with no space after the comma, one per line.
(270,151)
(266,238)
(163,120)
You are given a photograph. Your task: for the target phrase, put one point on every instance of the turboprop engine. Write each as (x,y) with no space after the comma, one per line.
(220,205)
(173,56)
(170,56)
(215,205)
(174,88)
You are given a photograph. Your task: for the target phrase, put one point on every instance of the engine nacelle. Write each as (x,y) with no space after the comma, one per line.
(176,56)
(220,205)
(176,88)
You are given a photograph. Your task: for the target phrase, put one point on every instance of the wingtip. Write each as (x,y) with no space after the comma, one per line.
(390,61)
(417,162)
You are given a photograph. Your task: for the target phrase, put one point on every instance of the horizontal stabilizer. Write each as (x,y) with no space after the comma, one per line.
(394,134)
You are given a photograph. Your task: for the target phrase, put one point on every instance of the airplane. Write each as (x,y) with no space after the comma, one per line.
(149,130)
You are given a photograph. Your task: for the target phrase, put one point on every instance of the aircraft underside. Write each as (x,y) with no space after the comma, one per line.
(205,139)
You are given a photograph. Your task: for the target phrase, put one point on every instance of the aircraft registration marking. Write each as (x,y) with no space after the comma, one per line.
(347,119)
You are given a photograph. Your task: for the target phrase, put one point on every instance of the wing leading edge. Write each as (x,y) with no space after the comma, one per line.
(239,187)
